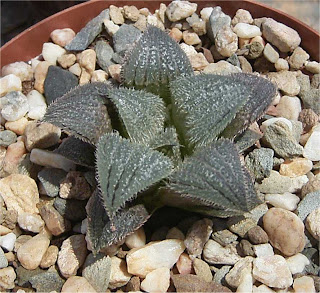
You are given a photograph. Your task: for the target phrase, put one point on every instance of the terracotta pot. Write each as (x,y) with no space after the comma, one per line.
(29,43)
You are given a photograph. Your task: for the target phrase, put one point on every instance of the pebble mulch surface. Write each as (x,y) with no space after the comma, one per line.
(274,248)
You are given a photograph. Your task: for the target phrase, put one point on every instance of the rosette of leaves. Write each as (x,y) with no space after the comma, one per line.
(164,135)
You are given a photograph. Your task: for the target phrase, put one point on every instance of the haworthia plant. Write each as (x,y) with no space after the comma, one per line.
(165,136)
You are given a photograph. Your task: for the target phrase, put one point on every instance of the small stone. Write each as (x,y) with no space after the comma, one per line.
(66,60)
(22,239)
(246,248)
(7,241)
(297,263)
(263,250)
(217,21)
(37,105)
(257,235)
(180,10)
(87,34)
(99,76)
(20,193)
(104,54)
(157,281)
(270,121)
(241,225)
(75,69)
(50,159)
(115,71)
(131,12)
(286,81)
(309,203)
(55,223)
(245,65)
(51,179)
(193,283)
(304,284)
(205,13)
(246,282)
(77,284)
(308,119)
(87,60)
(10,83)
(313,223)
(312,185)
(30,222)
(75,186)
(289,107)
(287,200)
(255,51)
(190,38)
(21,69)
(30,253)
(116,15)
(154,255)
(3,259)
(111,27)
(184,264)
(17,126)
(14,106)
(242,267)
(197,236)
(222,68)
(295,167)
(189,50)
(226,41)
(133,284)
(7,137)
(311,149)
(198,61)
(7,278)
(270,53)
(49,281)
(175,233)
(313,67)
(244,30)
(260,162)
(224,237)
(71,209)
(311,99)
(242,16)
(84,77)
(285,231)
(283,37)
(137,239)
(199,28)
(214,253)
(50,257)
(119,275)
(281,64)
(58,82)
(202,270)
(176,34)
(51,52)
(124,38)
(62,37)
(272,271)
(40,74)
(298,58)
(72,255)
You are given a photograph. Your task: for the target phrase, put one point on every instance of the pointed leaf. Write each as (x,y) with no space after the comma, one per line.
(260,95)
(247,139)
(142,113)
(82,112)
(125,168)
(77,151)
(102,232)
(215,177)
(155,60)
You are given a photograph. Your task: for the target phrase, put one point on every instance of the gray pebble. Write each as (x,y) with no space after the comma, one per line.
(309,203)
(51,179)
(315,81)
(3,259)
(71,209)
(7,137)
(217,20)
(224,237)
(104,54)
(47,282)
(246,248)
(87,34)
(125,37)
(311,99)
(219,276)
(234,60)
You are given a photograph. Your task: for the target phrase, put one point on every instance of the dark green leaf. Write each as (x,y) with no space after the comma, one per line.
(155,60)
(214,177)
(125,168)
(102,232)
(77,151)
(247,139)
(142,113)
(82,112)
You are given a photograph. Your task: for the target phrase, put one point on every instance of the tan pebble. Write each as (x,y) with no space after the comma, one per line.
(77,284)
(84,77)
(313,67)
(30,222)
(40,74)
(243,42)
(144,11)
(202,269)
(304,284)
(313,223)
(226,41)
(7,277)
(66,60)
(245,65)
(62,37)
(281,64)
(114,71)
(116,15)
(10,256)
(87,60)
(191,38)
(199,61)
(17,126)
(75,69)
(184,264)
(75,186)
(10,83)
(308,118)
(298,58)
(131,12)
(119,273)
(176,34)
(157,281)
(199,28)
(175,233)
(4,230)
(99,76)
(111,27)
(50,257)
(295,167)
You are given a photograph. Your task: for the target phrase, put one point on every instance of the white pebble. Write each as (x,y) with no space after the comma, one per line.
(75,69)
(263,250)
(281,64)
(51,52)
(137,239)
(289,107)
(178,10)
(14,106)
(313,67)
(270,121)
(21,69)
(10,83)
(287,201)
(205,13)
(7,241)
(246,282)
(247,31)
(188,49)
(297,262)
(312,147)
(50,159)
(37,105)
(270,53)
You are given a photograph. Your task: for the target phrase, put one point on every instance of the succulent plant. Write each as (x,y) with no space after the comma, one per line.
(165,136)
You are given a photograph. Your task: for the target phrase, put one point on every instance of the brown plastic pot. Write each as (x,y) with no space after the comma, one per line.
(29,43)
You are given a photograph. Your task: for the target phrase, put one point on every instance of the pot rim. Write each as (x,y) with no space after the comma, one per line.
(49,22)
